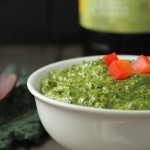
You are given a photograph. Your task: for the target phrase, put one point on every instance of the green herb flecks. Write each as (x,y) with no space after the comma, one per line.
(89,84)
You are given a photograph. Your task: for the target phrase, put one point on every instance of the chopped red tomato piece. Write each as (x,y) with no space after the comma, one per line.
(120,69)
(107,59)
(141,65)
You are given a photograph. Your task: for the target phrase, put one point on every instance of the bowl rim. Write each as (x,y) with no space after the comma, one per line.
(75,107)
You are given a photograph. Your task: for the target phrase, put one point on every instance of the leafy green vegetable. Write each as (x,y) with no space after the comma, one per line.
(19,119)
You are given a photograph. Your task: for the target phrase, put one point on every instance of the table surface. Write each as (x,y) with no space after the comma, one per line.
(32,57)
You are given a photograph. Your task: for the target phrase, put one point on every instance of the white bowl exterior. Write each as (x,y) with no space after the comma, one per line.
(82,128)
(83,131)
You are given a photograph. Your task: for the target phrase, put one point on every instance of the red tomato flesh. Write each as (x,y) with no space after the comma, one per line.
(107,59)
(120,69)
(141,65)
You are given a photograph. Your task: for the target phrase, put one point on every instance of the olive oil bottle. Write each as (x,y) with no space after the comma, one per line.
(122,26)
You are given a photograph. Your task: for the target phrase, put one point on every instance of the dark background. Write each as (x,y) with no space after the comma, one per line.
(39,21)
(24,25)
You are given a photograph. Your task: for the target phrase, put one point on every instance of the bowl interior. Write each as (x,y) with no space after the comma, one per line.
(35,79)
(34,83)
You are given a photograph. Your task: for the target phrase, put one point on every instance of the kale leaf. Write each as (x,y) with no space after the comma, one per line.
(19,119)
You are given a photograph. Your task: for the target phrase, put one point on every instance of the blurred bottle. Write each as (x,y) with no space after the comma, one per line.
(122,26)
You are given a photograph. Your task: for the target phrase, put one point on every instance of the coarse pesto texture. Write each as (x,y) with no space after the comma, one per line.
(89,84)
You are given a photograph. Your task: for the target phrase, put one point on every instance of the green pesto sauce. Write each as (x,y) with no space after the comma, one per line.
(89,84)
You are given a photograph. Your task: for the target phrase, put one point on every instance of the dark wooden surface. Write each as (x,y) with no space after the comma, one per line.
(32,57)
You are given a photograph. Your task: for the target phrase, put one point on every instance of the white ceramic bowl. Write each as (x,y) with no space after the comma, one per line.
(84,128)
